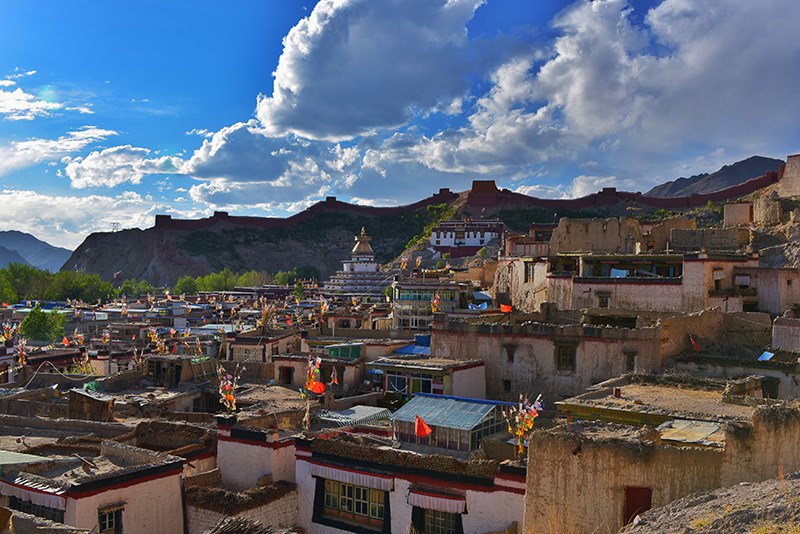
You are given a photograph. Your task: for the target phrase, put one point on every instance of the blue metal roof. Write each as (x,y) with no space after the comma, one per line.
(413,349)
(444,412)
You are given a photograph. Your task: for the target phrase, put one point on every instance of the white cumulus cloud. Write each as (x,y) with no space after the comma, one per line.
(19,105)
(354,66)
(116,165)
(20,154)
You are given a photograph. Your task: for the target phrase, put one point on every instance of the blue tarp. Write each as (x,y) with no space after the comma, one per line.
(423,340)
(481,306)
(766,356)
(413,349)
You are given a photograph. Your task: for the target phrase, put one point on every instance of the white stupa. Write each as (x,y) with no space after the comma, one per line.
(361,274)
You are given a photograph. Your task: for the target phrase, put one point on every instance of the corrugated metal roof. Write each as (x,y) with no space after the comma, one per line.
(444,412)
(11,458)
(355,415)
(704,433)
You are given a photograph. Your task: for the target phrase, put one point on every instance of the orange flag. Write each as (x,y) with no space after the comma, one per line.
(65,341)
(421,428)
(505,308)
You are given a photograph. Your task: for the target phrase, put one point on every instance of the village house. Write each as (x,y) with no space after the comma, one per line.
(414,300)
(643,282)
(642,442)
(411,370)
(259,345)
(343,362)
(536,243)
(465,237)
(557,361)
(365,483)
(108,487)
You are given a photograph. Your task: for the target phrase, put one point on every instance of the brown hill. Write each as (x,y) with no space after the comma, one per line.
(322,235)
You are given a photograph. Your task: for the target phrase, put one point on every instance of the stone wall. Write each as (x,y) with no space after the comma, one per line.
(789,185)
(511,286)
(737,214)
(767,211)
(615,235)
(579,485)
(657,238)
(524,357)
(568,463)
(64,426)
(279,513)
(709,239)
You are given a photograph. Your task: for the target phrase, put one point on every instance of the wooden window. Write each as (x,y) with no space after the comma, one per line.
(109,520)
(507,386)
(565,357)
(354,504)
(439,522)
(602,302)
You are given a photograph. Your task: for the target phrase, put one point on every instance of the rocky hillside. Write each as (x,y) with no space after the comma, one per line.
(729,175)
(162,255)
(767,507)
(322,235)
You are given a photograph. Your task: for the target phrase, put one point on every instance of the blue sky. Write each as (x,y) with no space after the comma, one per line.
(112,112)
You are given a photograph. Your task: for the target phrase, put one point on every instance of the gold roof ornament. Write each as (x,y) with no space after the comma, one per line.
(362,246)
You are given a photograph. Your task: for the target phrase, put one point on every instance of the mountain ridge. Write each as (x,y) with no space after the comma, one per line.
(725,176)
(322,235)
(32,250)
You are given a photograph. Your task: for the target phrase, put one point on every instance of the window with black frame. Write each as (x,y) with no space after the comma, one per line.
(427,521)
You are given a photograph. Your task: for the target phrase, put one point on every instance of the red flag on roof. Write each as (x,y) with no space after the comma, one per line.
(505,308)
(694,344)
(421,428)
(65,341)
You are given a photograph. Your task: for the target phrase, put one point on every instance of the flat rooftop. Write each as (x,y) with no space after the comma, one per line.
(659,400)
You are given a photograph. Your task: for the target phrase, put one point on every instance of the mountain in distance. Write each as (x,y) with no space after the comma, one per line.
(10,256)
(727,176)
(31,251)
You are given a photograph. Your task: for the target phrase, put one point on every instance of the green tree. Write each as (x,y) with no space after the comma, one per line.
(29,283)
(225,280)
(186,285)
(7,292)
(36,325)
(282,278)
(253,279)
(132,288)
(57,323)
(299,292)
(77,285)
